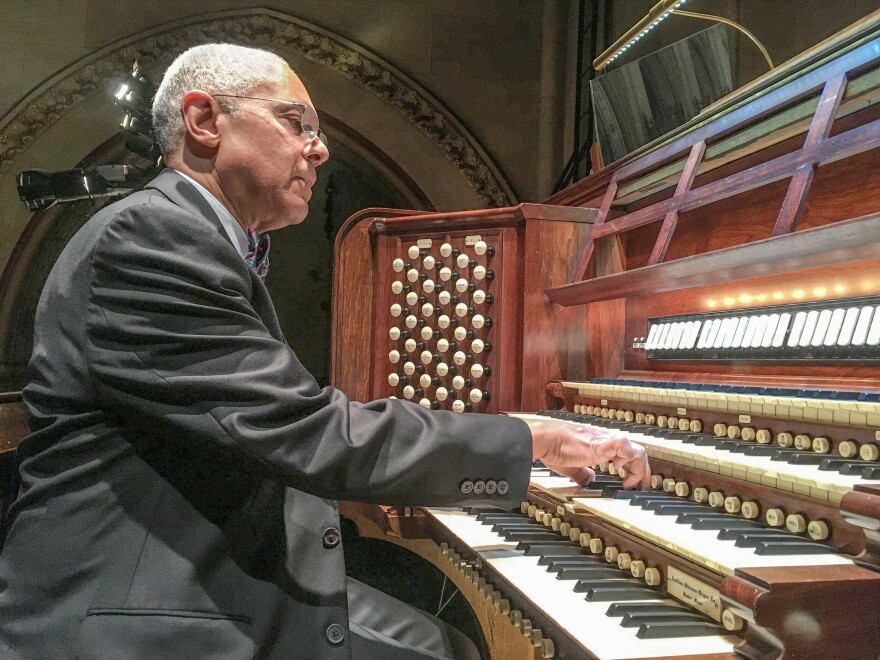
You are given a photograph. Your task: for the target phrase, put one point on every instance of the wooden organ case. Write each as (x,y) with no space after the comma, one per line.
(727,297)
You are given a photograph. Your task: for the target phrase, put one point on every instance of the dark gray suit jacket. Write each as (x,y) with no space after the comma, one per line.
(178,487)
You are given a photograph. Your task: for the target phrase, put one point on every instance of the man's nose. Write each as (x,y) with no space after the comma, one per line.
(316,151)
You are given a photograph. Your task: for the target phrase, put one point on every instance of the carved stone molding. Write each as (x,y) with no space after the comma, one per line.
(155,49)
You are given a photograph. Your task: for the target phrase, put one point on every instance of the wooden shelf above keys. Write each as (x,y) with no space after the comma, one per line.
(842,242)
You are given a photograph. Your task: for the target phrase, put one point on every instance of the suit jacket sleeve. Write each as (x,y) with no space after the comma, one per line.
(177,350)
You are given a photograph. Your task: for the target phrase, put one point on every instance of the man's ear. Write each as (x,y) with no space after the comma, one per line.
(200,113)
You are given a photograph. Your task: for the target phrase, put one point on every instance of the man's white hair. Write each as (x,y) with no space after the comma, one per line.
(212,68)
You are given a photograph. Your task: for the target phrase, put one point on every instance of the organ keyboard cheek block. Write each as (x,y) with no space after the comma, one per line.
(699,307)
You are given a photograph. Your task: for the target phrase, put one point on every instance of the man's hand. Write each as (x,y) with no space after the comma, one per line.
(568,448)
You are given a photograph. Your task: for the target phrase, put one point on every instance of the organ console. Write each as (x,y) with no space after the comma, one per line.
(715,297)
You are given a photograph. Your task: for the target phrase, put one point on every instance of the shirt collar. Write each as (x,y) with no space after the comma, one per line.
(233,229)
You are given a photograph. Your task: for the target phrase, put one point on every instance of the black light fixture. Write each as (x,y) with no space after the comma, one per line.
(39,189)
(134,94)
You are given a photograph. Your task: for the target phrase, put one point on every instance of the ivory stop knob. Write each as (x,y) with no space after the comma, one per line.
(748,434)
(397,265)
(848,449)
(611,553)
(656,481)
(732,504)
(596,546)
(682,488)
(669,485)
(653,576)
(393,380)
(821,445)
(696,426)
(796,523)
(775,517)
(803,442)
(583,538)
(637,568)
(720,430)
(672,422)
(661,420)
(412,298)
(413,252)
(731,621)
(624,559)
(818,530)
(445,250)
(764,436)
(564,528)
(784,439)
(397,286)
(716,499)
(733,431)
(574,535)
(701,494)
(751,510)
(479,296)
(869,452)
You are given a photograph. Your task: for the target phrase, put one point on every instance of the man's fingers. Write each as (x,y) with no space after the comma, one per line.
(581,476)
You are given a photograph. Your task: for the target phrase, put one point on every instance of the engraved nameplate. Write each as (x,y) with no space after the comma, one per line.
(470,241)
(745,419)
(424,243)
(693,592)
(681,411)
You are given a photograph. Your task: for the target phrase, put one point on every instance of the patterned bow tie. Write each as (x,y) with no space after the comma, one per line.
(258,254)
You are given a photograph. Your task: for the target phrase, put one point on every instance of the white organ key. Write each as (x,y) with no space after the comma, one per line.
(427,333)
(459,358)
(849,325)
(704,333)
(461,261)
(413,252)
(412,298)
(715,326)
(394,333)
(442,369)
(393,380)
(460,333)
(458,406)
(723,328)
(441,393)
(425,380)
(476,395)
(461,309)
(781,327)
(412,275)
(409,391)
(394,357)
(749,334)
(444,297)
(809,327)
(477,346)
(653,333)
(480,247)
(445,273)
(478,321)
(479,296)
(476,370)
(664,334)
(725,335)
(794,336)
(740,332)
(770,330)
(458,382)
(427,309)
(410,345)
(409,368)
(428,286)
(693,334)
(862,325)
(874,333)
(674,335)
(397,265)
(428,263)
(461,285)
(821,328)
(411,321)
(479,272)
(442,344)
(685,334)
(426,357)
(834,326)
(445,250)
(760,328)
(397,286)
(396,310)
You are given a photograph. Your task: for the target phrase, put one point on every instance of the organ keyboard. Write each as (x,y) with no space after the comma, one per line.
(704,310)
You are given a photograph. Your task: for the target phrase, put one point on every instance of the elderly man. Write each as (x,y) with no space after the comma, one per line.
(178,487)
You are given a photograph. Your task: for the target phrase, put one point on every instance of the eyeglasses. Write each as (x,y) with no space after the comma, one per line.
(305,124)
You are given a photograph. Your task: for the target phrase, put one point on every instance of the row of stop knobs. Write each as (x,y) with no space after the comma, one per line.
(625,561)
(472,573)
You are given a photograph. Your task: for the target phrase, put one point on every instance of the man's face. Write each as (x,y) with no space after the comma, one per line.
(265,164)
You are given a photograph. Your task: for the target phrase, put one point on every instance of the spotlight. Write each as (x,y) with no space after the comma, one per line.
(134,94)
(39,189)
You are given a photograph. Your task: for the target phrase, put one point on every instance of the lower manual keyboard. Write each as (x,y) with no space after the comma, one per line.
(580,593)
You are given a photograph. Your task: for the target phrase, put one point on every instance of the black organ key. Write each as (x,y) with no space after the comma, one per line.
(621,580)
(528,536)
(556,565)
(726,526)
(661,630)
(794,547)
(608,593)
(559,547)
(587,572)
(636,619)
(751,538)
(622,609)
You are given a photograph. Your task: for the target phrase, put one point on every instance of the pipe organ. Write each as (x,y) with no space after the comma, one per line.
(714,297)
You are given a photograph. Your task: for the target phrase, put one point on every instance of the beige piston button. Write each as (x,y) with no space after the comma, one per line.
(649,419)
(669,485)
(394,357)
(748,434)
(701,494)
(397,265)
(445,274)
(624,559)
(869,452)
(785,439)
(444,297)
(442,345)
(441,393)
(653,576)
(445,250)
(428,286)
(412,275)
(640,418)
(637,568)
(479,272)
(611,553)
(656,481)
(410,344)
(818,530)
(477,371)
(764,436)
(459,358)
(672,422)
(775,517)
(803,442)
(411,321)
(460,333)
(442,369)
(476,395)
(397,287)
(461,285)
(682,489)
(732,504)
(796,523)
(480,247)
(720,430)
(477,345)
(396,310)
(478,321)
(684,424)
(661,421)
(564,529)
(425,381)
(409,368)
(696,426)
(461,310)
(393,380)
(409,392)
(443,321)
(751,510)
(733,431)
(458,382)
(427,332)
(848,449)
(716,499)
(427,357)
(394,333)
(479,296)
(574,535)
(596,546)
(461,261)
(458,406)
(413,252)
(731,621)
(428,263)
(629,416)
(821,445)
